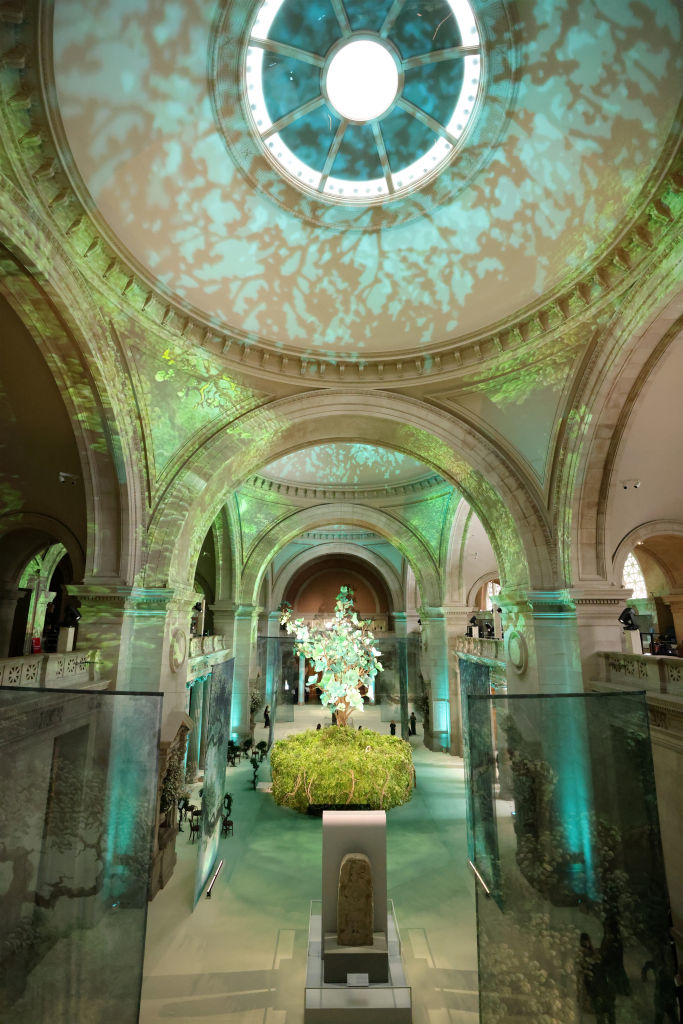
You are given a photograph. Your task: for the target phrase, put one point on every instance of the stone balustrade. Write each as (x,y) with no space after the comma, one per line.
(486,648)
(651,672)
(208,644)
(206,651)
(50,671)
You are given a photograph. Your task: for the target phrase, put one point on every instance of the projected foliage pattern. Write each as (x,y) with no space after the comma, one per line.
(596,99)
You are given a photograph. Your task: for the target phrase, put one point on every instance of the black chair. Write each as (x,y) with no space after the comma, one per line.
(226,828)
(194,828)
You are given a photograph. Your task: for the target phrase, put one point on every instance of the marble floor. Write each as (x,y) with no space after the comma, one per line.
(241,956)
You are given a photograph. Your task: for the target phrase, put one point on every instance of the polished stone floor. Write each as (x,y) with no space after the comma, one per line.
(241,956)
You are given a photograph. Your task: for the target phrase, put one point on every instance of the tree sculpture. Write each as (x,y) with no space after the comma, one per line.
(344,652)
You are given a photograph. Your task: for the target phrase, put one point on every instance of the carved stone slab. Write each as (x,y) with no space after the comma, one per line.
(355,901)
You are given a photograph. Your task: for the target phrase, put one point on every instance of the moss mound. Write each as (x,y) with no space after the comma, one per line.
(340,766)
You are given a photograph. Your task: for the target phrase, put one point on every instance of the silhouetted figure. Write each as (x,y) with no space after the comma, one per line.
(266,717)
(612,956)
(318,726)
(392,728)
(413,724)
(665,988)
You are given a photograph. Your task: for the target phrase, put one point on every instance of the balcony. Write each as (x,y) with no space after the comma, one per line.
(76,669)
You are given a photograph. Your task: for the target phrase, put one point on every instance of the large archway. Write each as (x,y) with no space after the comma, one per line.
(509,506)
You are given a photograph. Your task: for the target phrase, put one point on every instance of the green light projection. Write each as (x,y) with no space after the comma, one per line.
(346,464)
(495,516)
(186,391)
(431,518)
(257,514)
(596,101)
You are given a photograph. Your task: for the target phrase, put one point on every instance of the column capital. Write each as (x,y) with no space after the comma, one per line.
(431,612)
(540,603)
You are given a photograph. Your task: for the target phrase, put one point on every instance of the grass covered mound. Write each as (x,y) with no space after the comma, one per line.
(339,766)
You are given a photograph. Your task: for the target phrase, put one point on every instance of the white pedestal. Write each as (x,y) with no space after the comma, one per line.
(389,1003)
(632,642)
(65,640)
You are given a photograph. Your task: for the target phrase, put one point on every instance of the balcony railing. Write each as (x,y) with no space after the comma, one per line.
(50,671)
(651,672)
(487,648)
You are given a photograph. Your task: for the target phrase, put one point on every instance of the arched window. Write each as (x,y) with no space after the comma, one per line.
(492,590)
(633,577)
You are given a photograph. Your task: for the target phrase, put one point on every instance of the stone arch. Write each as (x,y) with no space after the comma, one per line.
(25,534)
(654,529)
(387,572)
(53,301)
(617,366)
(485,577)
(507,502)
(383,523)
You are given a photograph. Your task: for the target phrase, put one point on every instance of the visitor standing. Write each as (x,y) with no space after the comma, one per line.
(392,727)
(413,724)
(266,717)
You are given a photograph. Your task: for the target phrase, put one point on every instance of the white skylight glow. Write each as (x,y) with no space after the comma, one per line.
(467,98)
(265,18)
(362,80)
(356,190)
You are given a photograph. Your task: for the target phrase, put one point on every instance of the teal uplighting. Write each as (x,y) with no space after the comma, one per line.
(571,758)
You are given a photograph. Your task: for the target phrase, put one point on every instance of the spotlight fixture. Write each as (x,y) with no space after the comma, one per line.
(627,619)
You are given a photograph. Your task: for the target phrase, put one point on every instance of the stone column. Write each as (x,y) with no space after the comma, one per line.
(40,598)
(598,607)
(404,682)
(246,615)
(195,737)
(127,626)
(8,605)
(541,642)
(675,601)
(435,661)
(302,679)
(206,702)
(273,656)
(457,617)
(223,618)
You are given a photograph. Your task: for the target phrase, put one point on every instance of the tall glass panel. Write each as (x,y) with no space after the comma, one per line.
(78,809)
(214,788)
(398,683)
(474,679)
(566,836)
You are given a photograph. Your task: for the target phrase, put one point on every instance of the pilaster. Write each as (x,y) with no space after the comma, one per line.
(246,621)
(598,607)
(456,618)
(8,605)
(674,599)
(128,626)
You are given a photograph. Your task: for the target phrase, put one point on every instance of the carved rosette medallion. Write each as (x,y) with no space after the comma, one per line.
(178,649)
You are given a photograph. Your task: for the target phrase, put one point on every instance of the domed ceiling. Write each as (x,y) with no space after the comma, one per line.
(572,110)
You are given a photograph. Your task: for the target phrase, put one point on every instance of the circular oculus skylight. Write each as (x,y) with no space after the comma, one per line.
(362,103)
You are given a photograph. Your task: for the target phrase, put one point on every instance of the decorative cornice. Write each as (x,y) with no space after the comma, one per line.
(40,160)
(341,492)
